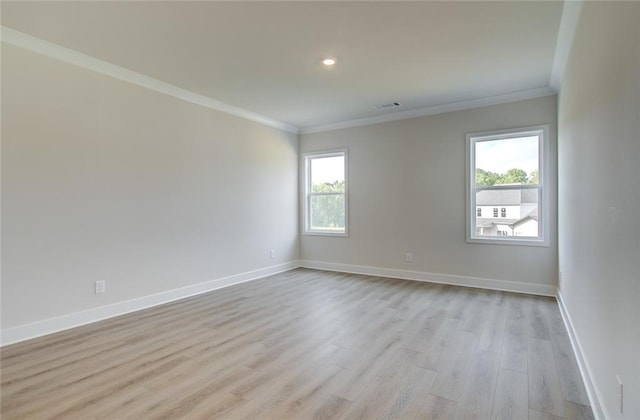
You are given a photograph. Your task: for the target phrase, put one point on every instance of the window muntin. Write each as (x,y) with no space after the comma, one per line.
(505,174)
(326,193)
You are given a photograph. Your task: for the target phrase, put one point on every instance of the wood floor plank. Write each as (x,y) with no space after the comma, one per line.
(476,315)
(286,375)
(538,326)
(328,407)
(208,388)
(409,400)
(138,399)
(517,323)
(578,411)
(66,403)
(351,381)
(395,389)
(537,415)
(454,365)
(544,384)
(306,344)
(212,407)
(514,353)
(573,388)
(436,408)
(438,342)
(511,398)
(309,394)
(479,389)
(492,336)
(284,387)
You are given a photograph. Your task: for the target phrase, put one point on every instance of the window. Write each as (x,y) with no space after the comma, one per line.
(506,170)
(479,212)
(325,205)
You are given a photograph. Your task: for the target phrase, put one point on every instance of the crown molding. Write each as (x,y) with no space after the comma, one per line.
(566,32)
(433,110)
(570,16)
(49,49)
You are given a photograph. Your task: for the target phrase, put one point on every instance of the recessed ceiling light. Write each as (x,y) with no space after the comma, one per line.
(329,61)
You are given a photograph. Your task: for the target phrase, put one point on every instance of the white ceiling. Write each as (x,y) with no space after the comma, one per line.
(264,57)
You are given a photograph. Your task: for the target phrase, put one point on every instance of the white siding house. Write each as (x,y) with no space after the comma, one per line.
(507,212)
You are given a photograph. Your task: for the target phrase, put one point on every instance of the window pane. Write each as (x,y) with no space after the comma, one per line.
(507,161)
(327,174)
(327,212)
(518,212)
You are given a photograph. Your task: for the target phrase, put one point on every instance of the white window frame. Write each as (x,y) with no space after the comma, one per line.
(542,131)
(308,157)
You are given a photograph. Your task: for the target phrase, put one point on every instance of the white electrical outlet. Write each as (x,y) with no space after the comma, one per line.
(620,394)
(272,253)
(408,257)
(100,286)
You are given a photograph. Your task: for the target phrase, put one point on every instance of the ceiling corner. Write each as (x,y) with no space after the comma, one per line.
(566,32)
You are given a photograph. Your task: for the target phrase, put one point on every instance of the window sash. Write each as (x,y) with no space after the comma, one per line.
(508,187)
(325,193)
(497,213)
(473,236)
(307,228)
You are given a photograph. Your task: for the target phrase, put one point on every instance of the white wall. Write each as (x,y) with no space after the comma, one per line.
(104,180)
(599,198)
(407,194)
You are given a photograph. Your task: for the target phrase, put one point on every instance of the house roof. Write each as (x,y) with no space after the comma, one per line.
(484,223)
(506,197)
(533,215)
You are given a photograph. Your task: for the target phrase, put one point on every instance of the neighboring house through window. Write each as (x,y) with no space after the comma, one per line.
(507,172)
(325,205)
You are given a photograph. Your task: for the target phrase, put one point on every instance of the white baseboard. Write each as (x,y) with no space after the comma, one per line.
(593,393)
(503,285)
(76,319)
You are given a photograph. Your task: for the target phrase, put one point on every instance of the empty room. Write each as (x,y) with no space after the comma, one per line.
(320,210)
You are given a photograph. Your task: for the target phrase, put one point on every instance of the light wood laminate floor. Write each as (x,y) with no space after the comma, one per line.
(307,345)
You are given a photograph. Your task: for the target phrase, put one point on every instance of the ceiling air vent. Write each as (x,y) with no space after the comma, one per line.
(388,106)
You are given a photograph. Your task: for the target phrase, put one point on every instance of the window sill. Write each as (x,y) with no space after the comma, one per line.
(325,233)
(516,242)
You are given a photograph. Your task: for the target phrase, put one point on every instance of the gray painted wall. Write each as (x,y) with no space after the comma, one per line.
(407,194)
(599,197)
(104,180)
